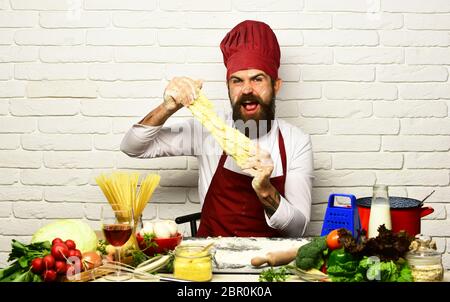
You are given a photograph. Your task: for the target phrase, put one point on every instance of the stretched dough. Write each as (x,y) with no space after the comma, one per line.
(231,140)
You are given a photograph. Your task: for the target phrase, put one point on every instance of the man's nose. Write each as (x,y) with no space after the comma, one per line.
(247,89)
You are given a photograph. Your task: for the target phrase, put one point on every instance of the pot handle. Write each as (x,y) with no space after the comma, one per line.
(426,211)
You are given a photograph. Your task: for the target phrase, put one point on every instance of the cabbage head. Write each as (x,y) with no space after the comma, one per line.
(77,230)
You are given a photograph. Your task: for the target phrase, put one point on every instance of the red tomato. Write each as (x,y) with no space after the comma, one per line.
(333,240)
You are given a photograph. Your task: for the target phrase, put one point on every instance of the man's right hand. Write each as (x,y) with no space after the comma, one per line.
(181,91)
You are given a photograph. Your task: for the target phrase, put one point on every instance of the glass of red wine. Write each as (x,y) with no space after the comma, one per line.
(117,226)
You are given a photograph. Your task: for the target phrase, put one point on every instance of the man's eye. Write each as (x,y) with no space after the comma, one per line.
(235,81)
(258,79)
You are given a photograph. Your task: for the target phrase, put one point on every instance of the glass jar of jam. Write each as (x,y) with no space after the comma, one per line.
(192,263)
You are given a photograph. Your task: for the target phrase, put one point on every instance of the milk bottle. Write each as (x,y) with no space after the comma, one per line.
(380,212)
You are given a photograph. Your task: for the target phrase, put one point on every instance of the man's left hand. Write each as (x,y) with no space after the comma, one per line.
(260,166)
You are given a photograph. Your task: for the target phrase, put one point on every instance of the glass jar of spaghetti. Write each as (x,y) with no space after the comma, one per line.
(192,263)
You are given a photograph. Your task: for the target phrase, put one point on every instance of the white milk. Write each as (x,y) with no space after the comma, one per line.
(380,213)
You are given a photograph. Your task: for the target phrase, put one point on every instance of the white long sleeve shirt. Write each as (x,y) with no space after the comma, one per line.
(191,139)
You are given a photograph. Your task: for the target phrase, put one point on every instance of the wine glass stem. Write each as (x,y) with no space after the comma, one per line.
(118,260)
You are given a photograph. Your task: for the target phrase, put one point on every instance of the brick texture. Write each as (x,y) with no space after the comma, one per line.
(368,80)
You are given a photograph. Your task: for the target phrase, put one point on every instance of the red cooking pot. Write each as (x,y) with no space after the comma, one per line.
(405,213)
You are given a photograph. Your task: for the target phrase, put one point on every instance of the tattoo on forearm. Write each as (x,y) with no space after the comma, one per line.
(271,203)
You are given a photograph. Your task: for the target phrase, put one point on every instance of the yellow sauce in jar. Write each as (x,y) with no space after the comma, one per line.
(192,263)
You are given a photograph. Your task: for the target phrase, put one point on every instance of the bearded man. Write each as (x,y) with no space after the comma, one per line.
(269,195)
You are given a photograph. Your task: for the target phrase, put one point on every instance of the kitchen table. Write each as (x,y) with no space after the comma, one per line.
(233,254)
(222,277)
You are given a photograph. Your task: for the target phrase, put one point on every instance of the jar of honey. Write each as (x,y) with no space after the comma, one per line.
(192,263)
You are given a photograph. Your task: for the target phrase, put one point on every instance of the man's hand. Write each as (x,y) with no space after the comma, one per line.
(181,91)
(260,166)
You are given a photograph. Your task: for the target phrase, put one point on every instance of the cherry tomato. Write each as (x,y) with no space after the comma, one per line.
(333,240)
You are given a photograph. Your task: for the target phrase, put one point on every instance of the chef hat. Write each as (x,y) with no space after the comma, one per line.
(251,45)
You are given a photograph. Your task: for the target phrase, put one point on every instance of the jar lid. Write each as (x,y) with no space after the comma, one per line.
(192,251)
(423,252)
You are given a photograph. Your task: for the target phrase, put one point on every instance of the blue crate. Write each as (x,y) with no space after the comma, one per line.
(337,217)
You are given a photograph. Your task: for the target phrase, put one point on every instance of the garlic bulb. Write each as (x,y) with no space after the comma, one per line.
(147,229)
(172,227)
(161,230)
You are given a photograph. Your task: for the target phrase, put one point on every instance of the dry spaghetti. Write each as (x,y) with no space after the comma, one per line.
(123,193)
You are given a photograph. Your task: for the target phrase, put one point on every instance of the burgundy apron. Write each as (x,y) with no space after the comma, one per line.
(232,208)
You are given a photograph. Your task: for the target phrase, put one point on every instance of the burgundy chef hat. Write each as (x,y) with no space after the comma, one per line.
(251,45)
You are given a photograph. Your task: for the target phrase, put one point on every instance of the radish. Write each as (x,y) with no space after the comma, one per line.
(70,244)
(60,267)
(49,262)
(37,265)
(57,240)
(49,276)
(78,254)
(60,251)
(73,269)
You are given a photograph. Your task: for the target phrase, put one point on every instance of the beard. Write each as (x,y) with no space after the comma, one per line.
(261,123)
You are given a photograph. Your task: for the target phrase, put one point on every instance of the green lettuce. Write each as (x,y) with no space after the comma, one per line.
(343,267)
(385,271)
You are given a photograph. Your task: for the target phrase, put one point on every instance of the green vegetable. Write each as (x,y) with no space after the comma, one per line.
(21,256)
(155,264)
(385,271)
(311,255)
(343,267)
(274,274)
(149,242)
(405,272)
(101,246)
(76,230)
(138,257)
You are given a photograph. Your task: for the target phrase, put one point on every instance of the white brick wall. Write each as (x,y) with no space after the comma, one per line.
(369,80)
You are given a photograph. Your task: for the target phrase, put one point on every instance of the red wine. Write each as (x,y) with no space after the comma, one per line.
(117,234)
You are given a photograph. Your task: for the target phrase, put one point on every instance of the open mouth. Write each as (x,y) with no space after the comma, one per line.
(250,107)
